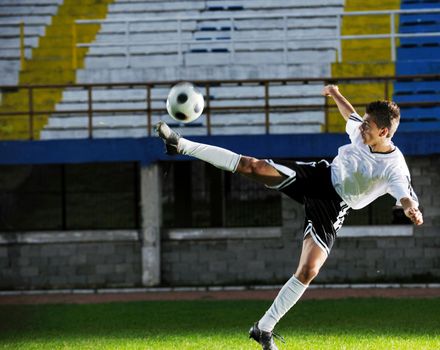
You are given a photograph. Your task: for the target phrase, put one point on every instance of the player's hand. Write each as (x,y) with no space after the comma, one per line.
(329,90)
(415,215)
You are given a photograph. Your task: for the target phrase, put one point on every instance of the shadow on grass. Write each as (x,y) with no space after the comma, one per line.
(391,317)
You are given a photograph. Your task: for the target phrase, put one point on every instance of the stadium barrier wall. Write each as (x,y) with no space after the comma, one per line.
(153,256)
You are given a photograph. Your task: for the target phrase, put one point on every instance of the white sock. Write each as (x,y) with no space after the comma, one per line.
(219,157)
(286,298)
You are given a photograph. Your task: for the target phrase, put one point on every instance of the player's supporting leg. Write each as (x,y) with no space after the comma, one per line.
(311,260)
(256,169)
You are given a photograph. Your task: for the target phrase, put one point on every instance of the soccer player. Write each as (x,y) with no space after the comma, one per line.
(367,168)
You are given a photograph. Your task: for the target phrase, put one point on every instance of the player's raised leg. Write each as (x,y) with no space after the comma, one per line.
(256,169)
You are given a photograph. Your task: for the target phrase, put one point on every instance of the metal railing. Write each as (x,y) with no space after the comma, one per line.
(181,44)
(265,105)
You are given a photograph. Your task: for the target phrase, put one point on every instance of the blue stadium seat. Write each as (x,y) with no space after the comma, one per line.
(421,41)
(417,98)
(401,87)
(418,53)
(419,19)
(417,67)
(422,27)
(420,113)
(226,8)
(418,126)
(419,4)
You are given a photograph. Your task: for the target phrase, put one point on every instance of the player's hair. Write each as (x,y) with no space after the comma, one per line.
(386,115)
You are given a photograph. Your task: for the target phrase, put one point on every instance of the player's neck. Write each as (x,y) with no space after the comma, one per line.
(383,146)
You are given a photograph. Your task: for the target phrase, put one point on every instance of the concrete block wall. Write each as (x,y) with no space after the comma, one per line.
(228,262)
(223,256)
(70,265)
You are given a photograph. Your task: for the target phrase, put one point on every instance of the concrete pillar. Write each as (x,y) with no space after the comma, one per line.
(151,219)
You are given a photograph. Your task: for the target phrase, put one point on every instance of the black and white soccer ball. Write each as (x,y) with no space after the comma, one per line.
(185,102)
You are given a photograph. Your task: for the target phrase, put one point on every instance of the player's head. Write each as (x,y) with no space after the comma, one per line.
(386,115)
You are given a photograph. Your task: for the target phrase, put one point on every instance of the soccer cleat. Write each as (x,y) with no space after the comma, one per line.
(169,137)
(265,339)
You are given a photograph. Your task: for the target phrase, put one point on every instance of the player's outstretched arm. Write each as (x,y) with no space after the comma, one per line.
(411,210)
(344,106)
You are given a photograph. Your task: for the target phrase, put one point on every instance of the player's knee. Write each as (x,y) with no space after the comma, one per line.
(250,165)
(306,273)
(258,166)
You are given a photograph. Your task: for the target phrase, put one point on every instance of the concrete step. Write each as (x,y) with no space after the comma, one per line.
(210,59)
(30,2)
(42,10)
(258,58)
(173,72)
(47,76)
(153,26)
(9,71)
(305,11)
(13,31)
(279,4)
(99,63)
(98,133)
(120,121)
(139,37)
(29,20)
(269,23)
(357,69)
(154,14)
(153,6)
(15,42)
(110,106)
(46,64)
(153,48)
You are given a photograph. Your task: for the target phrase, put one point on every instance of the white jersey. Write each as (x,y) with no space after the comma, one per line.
(360,176)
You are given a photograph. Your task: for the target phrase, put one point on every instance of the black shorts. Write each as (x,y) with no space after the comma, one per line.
(310,184)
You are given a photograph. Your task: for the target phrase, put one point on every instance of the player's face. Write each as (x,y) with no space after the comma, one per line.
(370,132)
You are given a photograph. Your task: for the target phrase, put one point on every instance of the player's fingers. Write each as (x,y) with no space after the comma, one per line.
(419,218)
(416,216)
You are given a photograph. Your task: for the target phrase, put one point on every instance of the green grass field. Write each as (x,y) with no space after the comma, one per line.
(330,324)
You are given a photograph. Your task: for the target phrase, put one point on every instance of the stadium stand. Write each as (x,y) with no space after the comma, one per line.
(419,56)
(218,40)
(50,62)
(36,16)
(142,41)
(204,29)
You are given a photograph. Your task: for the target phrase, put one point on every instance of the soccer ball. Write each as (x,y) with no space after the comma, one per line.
(185,102)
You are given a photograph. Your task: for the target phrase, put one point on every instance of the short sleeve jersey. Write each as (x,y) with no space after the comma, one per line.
(360,175)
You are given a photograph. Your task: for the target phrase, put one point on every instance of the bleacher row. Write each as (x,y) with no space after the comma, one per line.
(218,40)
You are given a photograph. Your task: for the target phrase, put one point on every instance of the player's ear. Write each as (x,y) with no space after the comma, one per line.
(384,132)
